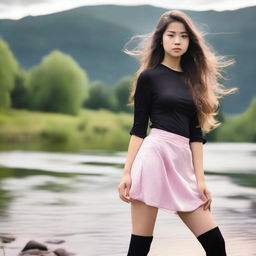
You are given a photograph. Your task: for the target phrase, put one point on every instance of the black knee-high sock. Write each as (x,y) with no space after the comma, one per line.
(139,245)
(213,242)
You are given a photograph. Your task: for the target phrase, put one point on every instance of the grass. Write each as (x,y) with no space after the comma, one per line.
(95,130)
(90,129)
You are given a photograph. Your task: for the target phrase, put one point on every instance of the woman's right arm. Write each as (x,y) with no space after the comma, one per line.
(133,148)
(125,184)
(142,105)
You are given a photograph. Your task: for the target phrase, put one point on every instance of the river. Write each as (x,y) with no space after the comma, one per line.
(74,197)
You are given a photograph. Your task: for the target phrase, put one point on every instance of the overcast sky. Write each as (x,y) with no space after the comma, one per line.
(16,9)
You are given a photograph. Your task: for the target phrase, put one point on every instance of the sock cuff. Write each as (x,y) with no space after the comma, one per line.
(216,229)
(140,237)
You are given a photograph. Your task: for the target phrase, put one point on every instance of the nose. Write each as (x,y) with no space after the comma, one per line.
(177,40)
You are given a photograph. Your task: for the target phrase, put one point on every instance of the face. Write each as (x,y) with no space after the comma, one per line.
(175,36)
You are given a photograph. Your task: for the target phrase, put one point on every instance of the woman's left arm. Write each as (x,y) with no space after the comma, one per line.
(197,159)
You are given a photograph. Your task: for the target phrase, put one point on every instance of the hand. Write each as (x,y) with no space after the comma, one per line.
(124,188)
(205,194)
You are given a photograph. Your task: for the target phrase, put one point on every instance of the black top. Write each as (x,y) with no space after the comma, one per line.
(162,95)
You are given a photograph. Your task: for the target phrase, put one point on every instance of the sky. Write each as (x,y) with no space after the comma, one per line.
(16,9)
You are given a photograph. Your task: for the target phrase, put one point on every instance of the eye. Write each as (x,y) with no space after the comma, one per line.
(185,36)
(171,35)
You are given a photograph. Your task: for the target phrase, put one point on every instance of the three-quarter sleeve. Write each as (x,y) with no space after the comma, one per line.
(196,133)
(142,106)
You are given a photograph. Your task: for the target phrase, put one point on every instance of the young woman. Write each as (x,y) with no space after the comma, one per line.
(177,88)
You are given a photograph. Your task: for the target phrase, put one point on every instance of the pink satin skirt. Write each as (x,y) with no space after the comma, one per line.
(163,175)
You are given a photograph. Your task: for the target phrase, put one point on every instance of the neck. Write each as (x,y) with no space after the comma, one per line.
(172,62)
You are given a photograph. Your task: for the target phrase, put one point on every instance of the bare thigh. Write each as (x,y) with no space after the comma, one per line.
(143,218)
(198,221)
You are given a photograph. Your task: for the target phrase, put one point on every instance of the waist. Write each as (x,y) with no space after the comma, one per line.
(168,135)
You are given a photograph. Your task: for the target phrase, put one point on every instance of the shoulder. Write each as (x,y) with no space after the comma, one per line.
(143,78)
(150,71)
(145,74)
(148,75)
(144,82)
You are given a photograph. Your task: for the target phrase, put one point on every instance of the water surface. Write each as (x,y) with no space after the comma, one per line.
(74,197)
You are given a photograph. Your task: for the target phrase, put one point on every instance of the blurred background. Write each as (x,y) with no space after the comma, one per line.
(64,125)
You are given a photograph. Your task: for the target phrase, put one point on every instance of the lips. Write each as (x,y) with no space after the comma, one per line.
(176,49)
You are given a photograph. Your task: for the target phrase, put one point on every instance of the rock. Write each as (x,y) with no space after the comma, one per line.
(6,238)
(32,244)
(36,252)
(33,248)
(62,252)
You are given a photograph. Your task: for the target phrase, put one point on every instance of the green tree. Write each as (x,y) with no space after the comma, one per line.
(8,70)
(57,84)
(240,127)
(100,97)
(121,91)
(19,94)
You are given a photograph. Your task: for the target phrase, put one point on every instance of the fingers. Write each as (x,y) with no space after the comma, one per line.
(123,193)
(202,195)
(127,192)
(209,201)
(208,204)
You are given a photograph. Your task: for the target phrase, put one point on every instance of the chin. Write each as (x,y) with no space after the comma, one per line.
(175,55)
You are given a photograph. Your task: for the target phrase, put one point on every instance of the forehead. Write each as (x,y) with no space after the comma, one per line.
(176,26)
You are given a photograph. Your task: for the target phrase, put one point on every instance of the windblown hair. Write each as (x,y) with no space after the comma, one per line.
(201,66)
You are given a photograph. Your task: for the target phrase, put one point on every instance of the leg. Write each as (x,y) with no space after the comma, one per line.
(143,223)
(198,221)
(203,226)
(143,218)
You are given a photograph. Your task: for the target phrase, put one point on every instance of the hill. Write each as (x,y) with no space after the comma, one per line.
(95,36)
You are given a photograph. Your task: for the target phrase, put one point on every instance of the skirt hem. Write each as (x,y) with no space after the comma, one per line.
(168,209)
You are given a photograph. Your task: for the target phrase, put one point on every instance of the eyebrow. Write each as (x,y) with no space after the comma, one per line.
(175,31)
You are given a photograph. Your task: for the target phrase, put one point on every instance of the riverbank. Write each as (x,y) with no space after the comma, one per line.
(97,130)
(40,131)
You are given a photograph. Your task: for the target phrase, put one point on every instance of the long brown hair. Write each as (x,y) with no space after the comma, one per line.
(201,66)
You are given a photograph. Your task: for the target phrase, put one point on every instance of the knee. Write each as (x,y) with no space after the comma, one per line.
(213,242)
